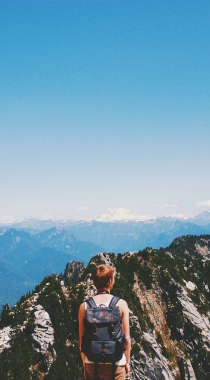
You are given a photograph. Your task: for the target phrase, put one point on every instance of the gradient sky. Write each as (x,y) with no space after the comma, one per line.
(104,104)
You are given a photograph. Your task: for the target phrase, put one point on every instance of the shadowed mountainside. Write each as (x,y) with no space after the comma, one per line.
(26,259)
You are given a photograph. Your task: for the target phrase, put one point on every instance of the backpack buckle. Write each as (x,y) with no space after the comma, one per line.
(112,328)
(103,356)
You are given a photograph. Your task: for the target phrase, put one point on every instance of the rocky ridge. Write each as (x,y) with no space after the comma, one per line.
(168,296)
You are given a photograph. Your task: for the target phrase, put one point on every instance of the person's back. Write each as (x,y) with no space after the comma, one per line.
(103,278)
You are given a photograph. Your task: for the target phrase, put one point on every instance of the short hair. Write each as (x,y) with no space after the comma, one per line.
(102,275)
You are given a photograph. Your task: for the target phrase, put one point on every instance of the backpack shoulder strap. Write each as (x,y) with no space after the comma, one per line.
(91,303)
(114,301)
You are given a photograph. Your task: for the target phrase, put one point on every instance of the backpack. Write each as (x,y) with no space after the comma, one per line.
(103,339)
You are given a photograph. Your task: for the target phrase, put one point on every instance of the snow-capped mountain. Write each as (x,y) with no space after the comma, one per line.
(202,219)
(120,215)
(123,215)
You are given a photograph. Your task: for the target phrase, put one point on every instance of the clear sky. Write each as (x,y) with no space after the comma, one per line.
(104,104)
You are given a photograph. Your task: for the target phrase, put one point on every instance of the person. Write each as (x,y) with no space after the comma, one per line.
(103,279)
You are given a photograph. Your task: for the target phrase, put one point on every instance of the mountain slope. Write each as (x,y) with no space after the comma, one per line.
(29,258)
(16,246)
(202,219)
(17,242)
(65,241)
(121,237)
(13,283)
(167,291)
(158,238)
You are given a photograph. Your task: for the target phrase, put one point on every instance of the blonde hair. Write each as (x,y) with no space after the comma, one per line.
(102,276)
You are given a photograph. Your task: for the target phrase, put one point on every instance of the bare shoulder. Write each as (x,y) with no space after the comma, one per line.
(122,302)
(82,308)
(123,306)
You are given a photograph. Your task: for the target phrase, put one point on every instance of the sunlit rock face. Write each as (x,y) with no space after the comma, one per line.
(191,312)
(43,332)
(5,337)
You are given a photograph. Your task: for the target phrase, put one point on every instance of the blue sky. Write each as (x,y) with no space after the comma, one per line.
(104,104)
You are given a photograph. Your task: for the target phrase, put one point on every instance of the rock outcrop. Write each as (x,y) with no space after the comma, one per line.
(191,313)
(43,335)
(5,337)
(73,272)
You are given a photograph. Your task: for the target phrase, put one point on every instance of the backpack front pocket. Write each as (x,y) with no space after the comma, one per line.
(104,351)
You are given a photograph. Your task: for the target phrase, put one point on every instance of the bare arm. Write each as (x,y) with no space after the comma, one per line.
(126,329)
(81,316)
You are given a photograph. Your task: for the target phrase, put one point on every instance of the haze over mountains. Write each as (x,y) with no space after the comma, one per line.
(115,215)
(33,248)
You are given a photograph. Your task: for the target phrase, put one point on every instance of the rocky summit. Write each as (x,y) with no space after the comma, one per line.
(168,294)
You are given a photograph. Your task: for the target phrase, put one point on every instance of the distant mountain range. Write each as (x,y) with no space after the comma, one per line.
(119,215)
(25,259)
(32,249)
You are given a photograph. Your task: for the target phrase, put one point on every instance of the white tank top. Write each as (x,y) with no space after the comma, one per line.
(122,361)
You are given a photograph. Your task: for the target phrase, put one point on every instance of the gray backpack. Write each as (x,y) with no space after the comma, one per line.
(103,339)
